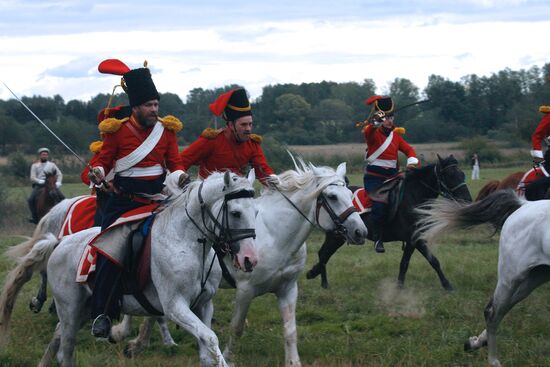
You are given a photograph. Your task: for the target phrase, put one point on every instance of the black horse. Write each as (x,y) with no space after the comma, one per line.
(420,185)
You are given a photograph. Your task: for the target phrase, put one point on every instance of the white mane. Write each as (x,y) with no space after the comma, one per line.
(305,177)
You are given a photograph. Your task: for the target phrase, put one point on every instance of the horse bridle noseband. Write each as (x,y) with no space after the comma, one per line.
(442,189)
(322,202)
(224,241)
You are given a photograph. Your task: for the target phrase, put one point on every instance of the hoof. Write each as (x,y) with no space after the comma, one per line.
(35,305)
(313,272)
(468,347)
(324,284)
(448,287)
(130,351)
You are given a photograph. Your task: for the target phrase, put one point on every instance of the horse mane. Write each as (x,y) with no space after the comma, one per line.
(305,176)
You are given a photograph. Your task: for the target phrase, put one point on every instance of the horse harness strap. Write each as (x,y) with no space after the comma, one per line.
(226,235)
(447,192)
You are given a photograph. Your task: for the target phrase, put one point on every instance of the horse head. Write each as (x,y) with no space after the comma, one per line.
(334,210)
(51,186)
(228,216)
(451,180)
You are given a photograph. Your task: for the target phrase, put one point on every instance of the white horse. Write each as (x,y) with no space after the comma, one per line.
(524,250)
(302,199)
(219,210)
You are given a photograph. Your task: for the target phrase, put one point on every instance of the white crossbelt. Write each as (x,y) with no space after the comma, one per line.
(125,166)
(380,150)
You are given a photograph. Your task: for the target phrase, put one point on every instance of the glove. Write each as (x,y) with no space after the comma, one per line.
(96,175)
(58,184)
(41,182)
(183,180)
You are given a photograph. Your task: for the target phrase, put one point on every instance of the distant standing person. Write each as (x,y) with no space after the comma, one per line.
(475,167)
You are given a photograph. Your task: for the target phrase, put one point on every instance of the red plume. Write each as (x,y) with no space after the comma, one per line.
(113,66)
(372,99)
(220,103)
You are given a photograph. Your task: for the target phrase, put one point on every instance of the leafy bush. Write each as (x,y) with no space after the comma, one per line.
(486,151)
(18,166)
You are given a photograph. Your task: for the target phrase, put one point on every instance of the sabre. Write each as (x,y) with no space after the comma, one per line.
(47,128)
(54,134)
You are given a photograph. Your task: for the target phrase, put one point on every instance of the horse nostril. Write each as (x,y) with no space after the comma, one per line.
(247,265)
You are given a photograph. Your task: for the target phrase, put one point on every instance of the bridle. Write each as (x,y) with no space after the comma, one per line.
(322,202)
(225,241)
(441,187)
(222,238)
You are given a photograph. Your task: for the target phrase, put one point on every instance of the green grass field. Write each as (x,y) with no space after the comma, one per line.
(361,320)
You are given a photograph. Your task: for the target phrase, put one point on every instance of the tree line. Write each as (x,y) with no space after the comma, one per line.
(501,106)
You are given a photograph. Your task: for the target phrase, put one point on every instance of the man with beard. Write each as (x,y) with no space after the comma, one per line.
(137,152)
(233,148)
(38,178)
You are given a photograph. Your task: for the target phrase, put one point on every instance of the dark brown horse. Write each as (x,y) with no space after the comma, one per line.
(48,196)
(509,182)
(420,185)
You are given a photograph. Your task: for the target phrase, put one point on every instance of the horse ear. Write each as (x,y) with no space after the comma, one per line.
(251,176)
(341,170)
(227,178)
(439,158)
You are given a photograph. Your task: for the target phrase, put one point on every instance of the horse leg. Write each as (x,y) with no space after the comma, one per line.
(38,301)
(404,265)
(165,331)
(210,354)
(75,316)
(242,303)
(122,329)
(331,244)
(434,262)
(136,345)
(287,307)
(52,348)
(504,298)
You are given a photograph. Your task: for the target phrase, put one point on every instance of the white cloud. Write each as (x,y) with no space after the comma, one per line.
(254,53)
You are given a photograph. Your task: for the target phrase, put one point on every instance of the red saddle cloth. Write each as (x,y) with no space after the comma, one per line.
(86,265)
(532,175)
(80,216)
(361,200)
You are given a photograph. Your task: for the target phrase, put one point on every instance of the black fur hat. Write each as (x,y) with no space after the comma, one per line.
(140,86)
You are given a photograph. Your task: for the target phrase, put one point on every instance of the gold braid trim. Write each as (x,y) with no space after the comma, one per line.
(171,123)
(544,109)
(256,138)
(240,109)
(210,133)
(95,147)
(111,125)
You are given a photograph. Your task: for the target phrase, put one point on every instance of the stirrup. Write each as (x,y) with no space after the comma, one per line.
(101,327)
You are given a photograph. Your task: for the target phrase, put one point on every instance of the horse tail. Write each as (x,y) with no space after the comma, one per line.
(488,188)
(444,215)
(17,252)
(35,259)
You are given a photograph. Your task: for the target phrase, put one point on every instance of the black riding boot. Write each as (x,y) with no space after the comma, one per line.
(377,238)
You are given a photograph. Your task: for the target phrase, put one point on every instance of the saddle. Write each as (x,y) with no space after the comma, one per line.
(130,248)
(390,192)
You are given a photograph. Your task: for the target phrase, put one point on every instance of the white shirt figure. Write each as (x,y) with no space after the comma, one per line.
(475,167)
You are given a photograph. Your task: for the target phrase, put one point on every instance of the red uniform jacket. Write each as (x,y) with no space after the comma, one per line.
(541,132)
(375,137)
(119,141)
(217,150)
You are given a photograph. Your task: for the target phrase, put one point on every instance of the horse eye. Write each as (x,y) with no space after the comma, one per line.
(332,197)
(236,214)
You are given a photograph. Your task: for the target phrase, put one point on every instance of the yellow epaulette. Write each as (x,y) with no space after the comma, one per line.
(210,133)
(256,138)
(544,109)
(399,130)
(111,125)
(171,123)
(95,147)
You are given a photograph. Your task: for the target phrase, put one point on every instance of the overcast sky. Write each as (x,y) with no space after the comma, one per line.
(54,47)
